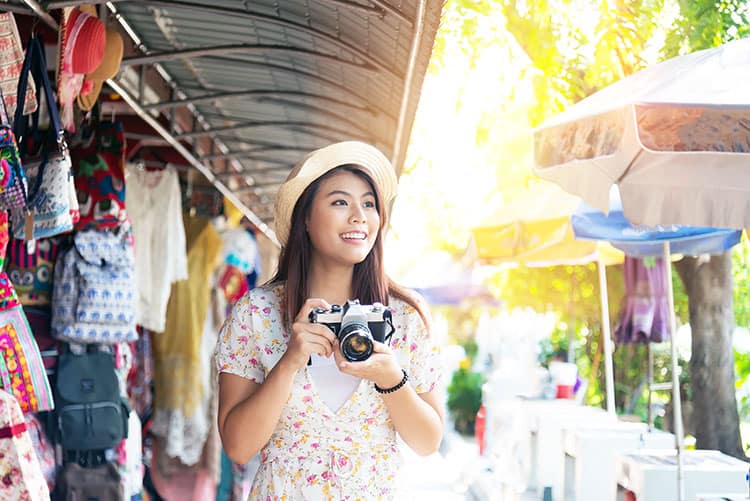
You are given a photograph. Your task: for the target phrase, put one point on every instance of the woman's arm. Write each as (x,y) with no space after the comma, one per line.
(249,411)
(418,418)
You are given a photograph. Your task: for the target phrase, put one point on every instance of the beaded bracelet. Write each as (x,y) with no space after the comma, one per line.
(394,388)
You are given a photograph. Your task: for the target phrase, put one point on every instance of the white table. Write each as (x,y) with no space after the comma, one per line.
(547,419)
(652,475)
(591,457)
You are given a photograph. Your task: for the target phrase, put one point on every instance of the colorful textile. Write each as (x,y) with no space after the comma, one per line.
(315,453)
(94,297)
(22,372)
(19,467)
(32,273)
(100,178)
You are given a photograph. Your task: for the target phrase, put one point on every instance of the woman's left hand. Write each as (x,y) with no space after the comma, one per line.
(381,368)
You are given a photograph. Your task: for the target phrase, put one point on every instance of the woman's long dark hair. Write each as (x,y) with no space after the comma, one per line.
(370,283)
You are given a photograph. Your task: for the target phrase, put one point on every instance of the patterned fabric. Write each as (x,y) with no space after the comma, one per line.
(32,273)
(21,369)
(20,472)
(45,452)
(13,182)
(315,453)
(94,297)
(8,296)
(11,57)
(100,178)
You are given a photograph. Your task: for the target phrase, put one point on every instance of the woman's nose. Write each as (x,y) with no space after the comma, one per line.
(357,217)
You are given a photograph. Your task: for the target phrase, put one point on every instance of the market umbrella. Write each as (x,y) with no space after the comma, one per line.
(675,137)
(591,224)
(535,230)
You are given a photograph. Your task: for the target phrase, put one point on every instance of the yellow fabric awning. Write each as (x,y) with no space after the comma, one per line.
(538,233)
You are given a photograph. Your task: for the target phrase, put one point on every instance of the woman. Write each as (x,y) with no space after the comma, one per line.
(326,427)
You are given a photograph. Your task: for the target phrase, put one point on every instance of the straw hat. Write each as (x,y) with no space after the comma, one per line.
(80,51)
(110,65)
(83,39)
(319,162)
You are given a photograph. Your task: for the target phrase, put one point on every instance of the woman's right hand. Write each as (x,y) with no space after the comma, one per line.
(308,338)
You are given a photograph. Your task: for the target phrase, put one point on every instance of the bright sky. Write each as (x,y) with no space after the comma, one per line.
(449,185)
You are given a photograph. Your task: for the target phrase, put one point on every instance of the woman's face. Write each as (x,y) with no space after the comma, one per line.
(343,223)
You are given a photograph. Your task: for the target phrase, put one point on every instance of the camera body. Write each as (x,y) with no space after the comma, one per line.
(355,326)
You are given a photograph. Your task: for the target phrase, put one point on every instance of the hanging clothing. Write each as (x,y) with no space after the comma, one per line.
(316,452)
(645,308)
(155,209)
(182,352)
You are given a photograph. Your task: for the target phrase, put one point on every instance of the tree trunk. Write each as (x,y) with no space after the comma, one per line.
(709,286)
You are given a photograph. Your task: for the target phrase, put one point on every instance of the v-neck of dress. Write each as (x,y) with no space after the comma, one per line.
(321,402)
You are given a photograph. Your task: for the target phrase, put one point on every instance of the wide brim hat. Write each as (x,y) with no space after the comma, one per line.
(110,65)
(83,36)
(318,163)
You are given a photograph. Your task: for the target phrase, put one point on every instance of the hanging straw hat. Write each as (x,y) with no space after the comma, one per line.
(80,51)
(110,65)
(319,162)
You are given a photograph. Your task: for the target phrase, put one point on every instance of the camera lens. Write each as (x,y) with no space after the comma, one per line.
(356,343)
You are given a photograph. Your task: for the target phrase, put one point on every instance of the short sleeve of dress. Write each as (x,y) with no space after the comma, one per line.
(424,354)
(238,348)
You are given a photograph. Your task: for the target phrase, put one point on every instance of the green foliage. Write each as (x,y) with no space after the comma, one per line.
(465,398)
(742,372)
(702,24)
(741,271)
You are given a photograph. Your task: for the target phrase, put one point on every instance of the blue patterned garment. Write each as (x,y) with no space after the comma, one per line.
(93,300)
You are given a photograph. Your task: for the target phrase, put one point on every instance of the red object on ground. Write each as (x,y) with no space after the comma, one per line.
(564,391)
(479,424)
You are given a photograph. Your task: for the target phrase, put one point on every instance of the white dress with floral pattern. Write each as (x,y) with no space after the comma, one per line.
(315,453)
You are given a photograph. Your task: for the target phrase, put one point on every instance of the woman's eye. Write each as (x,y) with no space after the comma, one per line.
(370,205)
(339,202)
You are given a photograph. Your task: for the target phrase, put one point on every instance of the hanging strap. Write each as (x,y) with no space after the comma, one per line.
(4,111)
(35,64)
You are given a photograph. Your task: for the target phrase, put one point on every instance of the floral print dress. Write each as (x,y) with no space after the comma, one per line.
(316,453)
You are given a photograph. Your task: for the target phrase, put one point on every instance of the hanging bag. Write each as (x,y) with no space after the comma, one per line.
(50,201)
(13,184)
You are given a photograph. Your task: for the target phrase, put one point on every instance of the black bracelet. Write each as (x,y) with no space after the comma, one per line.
(394,388)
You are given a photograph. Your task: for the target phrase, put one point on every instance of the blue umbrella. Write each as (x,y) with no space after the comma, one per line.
(646,241)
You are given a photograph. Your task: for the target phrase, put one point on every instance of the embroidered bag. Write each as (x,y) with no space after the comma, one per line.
(32,273)
(47,165)
(20,474)
(21,369)
(13,184)
(11,61)
(93,300)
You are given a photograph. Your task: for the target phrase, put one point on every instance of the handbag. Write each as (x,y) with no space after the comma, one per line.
(22,371)
(13,184)
(50,206)
(32,272)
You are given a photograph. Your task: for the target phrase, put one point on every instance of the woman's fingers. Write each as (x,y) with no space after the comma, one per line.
(308,306)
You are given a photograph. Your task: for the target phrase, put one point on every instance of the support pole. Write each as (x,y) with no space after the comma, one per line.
(676,400)
(606,338)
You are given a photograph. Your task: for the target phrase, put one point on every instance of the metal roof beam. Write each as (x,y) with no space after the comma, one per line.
(251,152)
(75,3)
(351,125)
(259,94)
(251,49)
(266,123)
(379,8)
(251,172)
(257,16)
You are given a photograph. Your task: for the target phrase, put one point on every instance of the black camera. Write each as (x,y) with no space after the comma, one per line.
(356,326)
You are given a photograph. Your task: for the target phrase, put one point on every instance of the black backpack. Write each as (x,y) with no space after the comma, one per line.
(91,413)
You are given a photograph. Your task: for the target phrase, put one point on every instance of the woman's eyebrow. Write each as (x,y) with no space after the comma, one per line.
(346,193)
